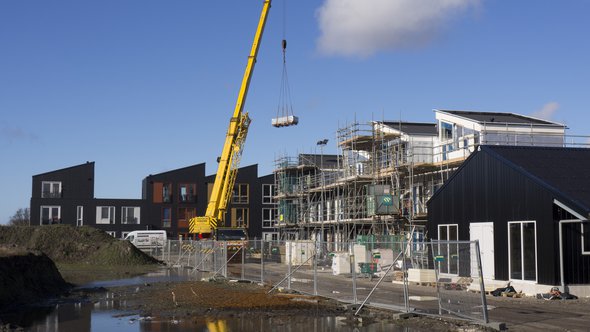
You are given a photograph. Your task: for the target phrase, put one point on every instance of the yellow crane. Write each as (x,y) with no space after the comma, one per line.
(232,149)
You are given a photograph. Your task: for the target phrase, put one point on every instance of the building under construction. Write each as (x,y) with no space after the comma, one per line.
(385,172)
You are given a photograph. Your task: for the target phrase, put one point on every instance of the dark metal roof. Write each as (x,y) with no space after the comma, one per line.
(500,117)
(86,164)
(413,128)
(562,170)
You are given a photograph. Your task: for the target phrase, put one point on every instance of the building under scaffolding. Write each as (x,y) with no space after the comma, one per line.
(385,172)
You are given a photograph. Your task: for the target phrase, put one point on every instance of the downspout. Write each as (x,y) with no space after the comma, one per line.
(561,222)
(561,268)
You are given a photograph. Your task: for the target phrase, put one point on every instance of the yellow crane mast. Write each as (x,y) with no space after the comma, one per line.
(232,149)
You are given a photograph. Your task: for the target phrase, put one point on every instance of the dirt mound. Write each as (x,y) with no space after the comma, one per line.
(27,276)
(74,245)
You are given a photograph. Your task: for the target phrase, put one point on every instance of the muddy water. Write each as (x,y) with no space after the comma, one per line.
(91,317)
(110,315)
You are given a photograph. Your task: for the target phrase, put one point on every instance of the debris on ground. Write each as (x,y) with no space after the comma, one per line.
(556,294)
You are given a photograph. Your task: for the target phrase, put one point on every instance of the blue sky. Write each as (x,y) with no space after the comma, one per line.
(145,86)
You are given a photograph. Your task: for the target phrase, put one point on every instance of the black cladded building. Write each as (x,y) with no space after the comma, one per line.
(169,200)
(529,209)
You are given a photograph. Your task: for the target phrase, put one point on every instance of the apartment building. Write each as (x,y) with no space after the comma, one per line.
(169,200)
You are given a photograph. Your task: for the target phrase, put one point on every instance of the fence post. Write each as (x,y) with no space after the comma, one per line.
(243,258)
(315,269)
(481,285)
(405,276)
(225,259)
(289,266)
(168,252)
(262,262)
(353,271)
(436,266)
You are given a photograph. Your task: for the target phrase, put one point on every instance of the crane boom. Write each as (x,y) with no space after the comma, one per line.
(233,146)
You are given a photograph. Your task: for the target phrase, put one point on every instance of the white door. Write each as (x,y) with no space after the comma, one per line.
(484,232)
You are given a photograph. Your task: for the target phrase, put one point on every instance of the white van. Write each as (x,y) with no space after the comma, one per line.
(147,239)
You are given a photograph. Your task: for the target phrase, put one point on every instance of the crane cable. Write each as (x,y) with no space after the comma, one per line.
(285,107)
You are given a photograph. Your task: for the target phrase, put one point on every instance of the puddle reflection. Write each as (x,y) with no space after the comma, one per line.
(110,314)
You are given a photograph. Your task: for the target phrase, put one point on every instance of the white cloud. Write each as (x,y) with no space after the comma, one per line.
(546,112)
(364,27)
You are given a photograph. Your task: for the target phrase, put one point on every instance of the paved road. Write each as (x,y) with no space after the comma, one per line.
(519,314)
(524,314)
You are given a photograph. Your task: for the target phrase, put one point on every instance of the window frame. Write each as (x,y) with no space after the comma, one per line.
(51,219)
(234,217)
(189,197)
(124,216)
(80,215)
(268,198)
(585,237)
(111,217)
(51,193)
(238,196)
(446,127)
(269,222)
(166,222)
(187,214)
(450,268)
(522,249)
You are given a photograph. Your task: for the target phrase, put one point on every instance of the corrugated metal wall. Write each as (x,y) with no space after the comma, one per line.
(485,189)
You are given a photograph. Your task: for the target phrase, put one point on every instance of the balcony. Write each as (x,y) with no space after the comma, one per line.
(51,221)
(130,221)
(50,194)
(188,198)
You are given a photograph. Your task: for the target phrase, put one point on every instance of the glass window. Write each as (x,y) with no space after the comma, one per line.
(267,193)
(50,215)
(105,214)
(79,215)
(449,251)
(240,217)
(187,192)
(51,189)
(270,236)
(166,217)
(167,192)
(586,238)
(184,215)
(522,249)
(269,216)
(446,131)
(130,215)
(240,195)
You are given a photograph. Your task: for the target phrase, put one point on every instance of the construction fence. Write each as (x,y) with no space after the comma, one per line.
(432,278)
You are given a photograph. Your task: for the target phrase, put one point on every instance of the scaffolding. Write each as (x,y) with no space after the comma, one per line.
(379,182)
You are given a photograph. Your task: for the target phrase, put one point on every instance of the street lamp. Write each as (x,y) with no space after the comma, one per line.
(321,144)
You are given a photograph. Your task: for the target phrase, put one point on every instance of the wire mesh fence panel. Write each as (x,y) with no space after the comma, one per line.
(455,263)
(379,271)
(276,266)
(332,272)
(385,272)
